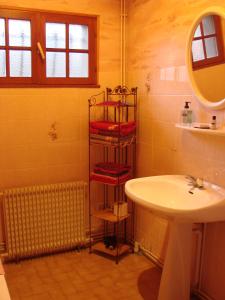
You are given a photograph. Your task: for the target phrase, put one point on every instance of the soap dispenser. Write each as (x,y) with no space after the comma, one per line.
(186,114)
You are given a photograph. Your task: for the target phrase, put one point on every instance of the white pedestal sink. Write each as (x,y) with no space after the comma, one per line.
(169,196)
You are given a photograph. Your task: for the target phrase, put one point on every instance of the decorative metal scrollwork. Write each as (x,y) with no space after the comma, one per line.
(118,90)
(93,99)
(121,90)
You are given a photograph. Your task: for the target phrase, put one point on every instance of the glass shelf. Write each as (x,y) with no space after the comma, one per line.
(218,132)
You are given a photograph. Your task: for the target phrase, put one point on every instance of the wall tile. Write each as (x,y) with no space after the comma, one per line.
(28,154)
(157,66)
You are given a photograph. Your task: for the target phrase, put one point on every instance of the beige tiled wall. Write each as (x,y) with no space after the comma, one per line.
(27,153)
(158,32)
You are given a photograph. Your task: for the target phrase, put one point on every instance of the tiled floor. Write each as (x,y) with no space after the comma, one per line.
(83,276)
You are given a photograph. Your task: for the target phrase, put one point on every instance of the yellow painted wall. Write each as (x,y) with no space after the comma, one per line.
(27,154)
(158,32)
(210,82)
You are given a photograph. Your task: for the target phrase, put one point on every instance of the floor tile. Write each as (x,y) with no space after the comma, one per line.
(82,276)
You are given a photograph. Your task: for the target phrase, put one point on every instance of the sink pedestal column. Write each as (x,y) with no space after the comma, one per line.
(175,281)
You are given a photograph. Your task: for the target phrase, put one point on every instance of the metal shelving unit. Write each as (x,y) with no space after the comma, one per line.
(112,140)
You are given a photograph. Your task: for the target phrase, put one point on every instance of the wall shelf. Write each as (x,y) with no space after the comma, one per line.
(218,132)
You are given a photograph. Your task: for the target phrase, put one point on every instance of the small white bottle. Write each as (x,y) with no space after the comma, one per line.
(213,123)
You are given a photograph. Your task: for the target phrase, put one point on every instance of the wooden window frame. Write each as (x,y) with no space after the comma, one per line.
(212,61)
(38,19)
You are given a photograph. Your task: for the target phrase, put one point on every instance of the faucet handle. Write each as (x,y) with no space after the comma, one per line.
(199,182)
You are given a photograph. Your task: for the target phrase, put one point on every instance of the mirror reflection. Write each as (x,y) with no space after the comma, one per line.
(208,58)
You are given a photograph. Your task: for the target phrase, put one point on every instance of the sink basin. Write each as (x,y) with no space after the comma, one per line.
(170,196)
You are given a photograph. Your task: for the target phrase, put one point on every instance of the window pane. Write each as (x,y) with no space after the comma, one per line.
(211,47)
(55,35)
(19,33)
(78,37)
(78,64)
(2,64)
(197,32)
(208,25)
(20,63)
(2,32)
(197,50)
(56,64)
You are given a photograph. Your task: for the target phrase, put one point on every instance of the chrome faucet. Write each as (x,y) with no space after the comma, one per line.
(194,183)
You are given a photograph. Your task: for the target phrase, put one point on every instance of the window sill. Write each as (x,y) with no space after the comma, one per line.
(49,86)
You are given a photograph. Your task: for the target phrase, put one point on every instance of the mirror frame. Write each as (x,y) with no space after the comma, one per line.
(214,10)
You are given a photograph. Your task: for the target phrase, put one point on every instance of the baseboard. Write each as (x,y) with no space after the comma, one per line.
(152,257)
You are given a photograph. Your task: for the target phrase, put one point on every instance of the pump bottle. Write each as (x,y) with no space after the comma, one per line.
(186,114)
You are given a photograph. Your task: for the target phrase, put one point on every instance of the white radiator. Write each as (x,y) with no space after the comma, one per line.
(43,219)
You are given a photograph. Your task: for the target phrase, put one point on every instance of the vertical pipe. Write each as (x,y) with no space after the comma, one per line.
(89,176)
(124,42)
(121,42)
(202,256)
(134,162)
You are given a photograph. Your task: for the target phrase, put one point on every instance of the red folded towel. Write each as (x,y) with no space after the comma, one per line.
(112,128)
(112,169)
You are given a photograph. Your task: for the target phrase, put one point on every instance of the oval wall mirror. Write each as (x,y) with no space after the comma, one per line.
(206,57)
